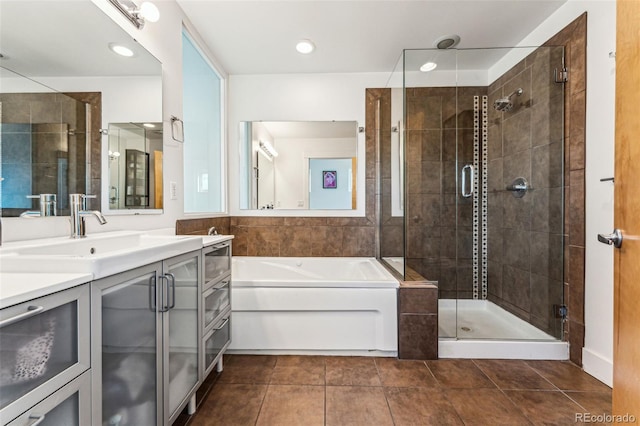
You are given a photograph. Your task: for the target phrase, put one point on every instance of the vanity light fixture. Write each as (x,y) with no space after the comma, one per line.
(428,66)
(149,125)
(121,50)
(305,47)
(267,150)
(137,15)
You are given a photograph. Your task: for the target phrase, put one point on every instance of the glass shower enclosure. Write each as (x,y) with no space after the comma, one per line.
(479,164)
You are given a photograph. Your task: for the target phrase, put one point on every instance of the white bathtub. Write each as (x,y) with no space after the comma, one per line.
(335,305)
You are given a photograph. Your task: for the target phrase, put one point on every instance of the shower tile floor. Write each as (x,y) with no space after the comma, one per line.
(482,319)
(317,390)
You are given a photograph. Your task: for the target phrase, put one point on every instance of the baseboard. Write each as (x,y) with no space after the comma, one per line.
(599,367)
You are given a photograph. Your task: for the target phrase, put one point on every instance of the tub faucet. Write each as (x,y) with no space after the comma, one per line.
(77,205)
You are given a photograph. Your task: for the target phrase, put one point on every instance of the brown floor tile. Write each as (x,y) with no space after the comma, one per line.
(546,407)
(349,361)
(231,405)
(358,376)
(485,407)
(246,375)
(300,361)
(513,374)
(252,360)
(419,406)
(358,406)
(593,402)
(404,374)
(292,405)
(298,376)
(459,373)
(567,376)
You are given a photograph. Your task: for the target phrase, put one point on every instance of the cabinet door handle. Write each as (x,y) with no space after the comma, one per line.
(152,294)
(226,320)
(35,419)
(172,284)
(31,311)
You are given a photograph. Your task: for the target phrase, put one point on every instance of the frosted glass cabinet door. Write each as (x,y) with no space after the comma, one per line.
(183,295)
(126,334)
(43,345)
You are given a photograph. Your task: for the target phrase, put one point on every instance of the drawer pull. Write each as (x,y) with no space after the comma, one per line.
(31,311)
(226,320)
(35,419)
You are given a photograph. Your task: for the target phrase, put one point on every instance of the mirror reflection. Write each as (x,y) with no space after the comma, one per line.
(300,164)
(135,165)
(58,104)
(43,139)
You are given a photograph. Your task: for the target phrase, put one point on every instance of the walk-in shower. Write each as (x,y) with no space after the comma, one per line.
(482,192)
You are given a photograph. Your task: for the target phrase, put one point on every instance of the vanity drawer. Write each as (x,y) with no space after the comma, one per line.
(216,300)
(216,341)
(217,262)
(69,406)
(43,346)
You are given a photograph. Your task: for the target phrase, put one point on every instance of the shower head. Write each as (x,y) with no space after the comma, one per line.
(505,104)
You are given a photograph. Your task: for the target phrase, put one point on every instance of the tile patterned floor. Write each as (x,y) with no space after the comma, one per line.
(341,391)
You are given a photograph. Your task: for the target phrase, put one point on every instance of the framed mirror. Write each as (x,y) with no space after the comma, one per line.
(64,50)
(303,165)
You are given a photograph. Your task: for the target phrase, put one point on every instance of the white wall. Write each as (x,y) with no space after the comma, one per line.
(292,166)
(600,132)
(297,97)
(164,41)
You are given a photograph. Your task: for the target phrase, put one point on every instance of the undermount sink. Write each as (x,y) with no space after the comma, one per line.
(100,254)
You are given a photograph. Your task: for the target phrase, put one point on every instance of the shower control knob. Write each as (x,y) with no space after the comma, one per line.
(613,239)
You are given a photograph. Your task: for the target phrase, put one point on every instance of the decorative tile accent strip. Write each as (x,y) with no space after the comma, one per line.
(485,208)
(476,222)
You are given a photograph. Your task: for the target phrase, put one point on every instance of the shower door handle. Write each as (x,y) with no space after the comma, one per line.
(463,181)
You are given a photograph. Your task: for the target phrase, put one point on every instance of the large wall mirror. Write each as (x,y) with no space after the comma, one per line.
(308,165)
(63,91)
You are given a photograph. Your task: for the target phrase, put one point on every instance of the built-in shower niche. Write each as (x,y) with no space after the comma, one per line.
(471,128)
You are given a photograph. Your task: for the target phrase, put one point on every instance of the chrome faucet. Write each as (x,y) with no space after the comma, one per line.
(47,206)
(77,205)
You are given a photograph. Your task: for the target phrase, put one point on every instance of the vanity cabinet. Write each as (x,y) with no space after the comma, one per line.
(216,303)
(146,340)
(43,349)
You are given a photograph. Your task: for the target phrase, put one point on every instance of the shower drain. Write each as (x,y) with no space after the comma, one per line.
(465,329)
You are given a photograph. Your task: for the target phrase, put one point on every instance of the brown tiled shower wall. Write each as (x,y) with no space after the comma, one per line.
(574,39)
(525,234)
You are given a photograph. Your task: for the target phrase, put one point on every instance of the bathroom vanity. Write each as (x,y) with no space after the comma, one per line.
(123,330)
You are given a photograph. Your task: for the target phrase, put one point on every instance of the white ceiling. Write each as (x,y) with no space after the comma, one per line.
(44,38)
(259,37)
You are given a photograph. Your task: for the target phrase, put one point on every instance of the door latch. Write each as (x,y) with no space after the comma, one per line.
(613,239)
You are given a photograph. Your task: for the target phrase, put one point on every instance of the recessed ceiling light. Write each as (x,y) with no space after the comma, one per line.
(305,46)
(121,50)
(428,66)
(447,41)
(149,125)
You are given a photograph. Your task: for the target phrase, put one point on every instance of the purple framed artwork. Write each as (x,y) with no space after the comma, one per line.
(329,179)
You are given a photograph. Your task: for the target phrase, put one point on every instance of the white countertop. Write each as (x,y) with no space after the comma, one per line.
(209,240)
(20,287)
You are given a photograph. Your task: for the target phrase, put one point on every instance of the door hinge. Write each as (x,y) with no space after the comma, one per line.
(561,76)
(560,311)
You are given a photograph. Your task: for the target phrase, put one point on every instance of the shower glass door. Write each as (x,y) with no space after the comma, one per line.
(484,188)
